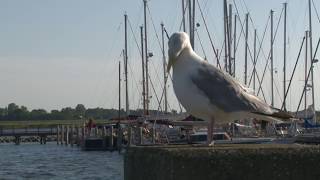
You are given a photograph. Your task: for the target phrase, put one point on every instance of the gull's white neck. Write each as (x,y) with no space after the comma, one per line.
(186,61)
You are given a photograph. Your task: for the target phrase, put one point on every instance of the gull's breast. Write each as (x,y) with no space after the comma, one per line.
(190,97)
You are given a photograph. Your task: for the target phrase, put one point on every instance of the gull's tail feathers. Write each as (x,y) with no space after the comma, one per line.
(279,114)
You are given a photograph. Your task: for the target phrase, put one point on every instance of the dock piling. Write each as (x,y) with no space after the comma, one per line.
(67,136)
(58,134)
(17,140)
(71,135)
(62,134)
(111,136)
(77,136)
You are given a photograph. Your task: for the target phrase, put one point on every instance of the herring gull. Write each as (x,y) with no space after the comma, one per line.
(207,92)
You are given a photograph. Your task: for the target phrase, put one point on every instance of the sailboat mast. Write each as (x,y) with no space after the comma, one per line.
(271,57)
(193,22)
(126,62)
(225,33)
(164,72)
(143,73)
(254,60)
(306,75)
(183,16)
(229,39)
(119,92)
(146,55)
(190,23)
(246,52)
(234,45)
(284,56)
(312,60)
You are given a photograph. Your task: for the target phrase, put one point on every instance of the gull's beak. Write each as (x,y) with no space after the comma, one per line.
(169,64)
(173,55)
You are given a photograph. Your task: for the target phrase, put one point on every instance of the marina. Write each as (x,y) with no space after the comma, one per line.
(161,130)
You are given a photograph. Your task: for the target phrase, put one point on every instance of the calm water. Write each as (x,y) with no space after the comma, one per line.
(50,161)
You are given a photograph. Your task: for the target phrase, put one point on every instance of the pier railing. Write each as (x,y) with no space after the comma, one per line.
(34,131)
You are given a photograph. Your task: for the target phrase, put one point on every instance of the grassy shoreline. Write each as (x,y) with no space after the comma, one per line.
(44,123)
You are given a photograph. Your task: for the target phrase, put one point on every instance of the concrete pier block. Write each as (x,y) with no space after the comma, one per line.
(223,162)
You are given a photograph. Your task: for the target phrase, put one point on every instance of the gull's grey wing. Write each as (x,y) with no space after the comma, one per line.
(224,92)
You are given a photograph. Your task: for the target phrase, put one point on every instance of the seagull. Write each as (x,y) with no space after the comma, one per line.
(209,93)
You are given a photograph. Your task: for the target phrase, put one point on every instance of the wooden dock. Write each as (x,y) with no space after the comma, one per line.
(17,133)
(102,137)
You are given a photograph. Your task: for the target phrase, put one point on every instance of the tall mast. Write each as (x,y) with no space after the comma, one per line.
(254,60)
(190,23)
(183,16)
(146,55)
(225,20)
(246,52)
(143,73)
(271,58)
(284,55)
(306,75)
(126,62)
(193,22)
(234,45)
(164,71)
(312,60)
(229,39)
(119,92)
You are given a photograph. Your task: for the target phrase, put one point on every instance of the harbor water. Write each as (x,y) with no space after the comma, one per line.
(52,161)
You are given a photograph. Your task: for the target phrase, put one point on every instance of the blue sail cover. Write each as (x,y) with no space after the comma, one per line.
(309,124)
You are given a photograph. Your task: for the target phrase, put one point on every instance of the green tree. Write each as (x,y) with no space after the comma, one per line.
(21,113)
(56,115)
(12,107)
(39,114)
(3,113)
(14,112)
(24,109)
(68,113)
(80,110)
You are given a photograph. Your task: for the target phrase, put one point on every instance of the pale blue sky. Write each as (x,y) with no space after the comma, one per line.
(58,53)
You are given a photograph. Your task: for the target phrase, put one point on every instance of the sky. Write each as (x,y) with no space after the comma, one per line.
(56,54)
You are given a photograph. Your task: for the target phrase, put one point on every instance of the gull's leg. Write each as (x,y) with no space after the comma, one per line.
(210,132)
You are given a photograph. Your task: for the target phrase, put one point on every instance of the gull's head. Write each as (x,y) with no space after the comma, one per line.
(178,42)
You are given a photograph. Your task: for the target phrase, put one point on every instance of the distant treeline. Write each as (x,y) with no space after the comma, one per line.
(15,112)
